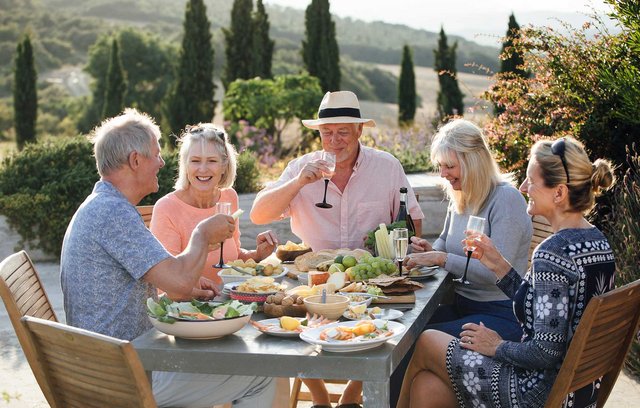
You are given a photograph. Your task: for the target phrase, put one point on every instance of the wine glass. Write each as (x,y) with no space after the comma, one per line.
(400,238)
(222,208)
(330,160)
(475,226)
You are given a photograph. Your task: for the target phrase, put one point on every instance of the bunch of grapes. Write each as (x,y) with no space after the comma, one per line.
(370,267)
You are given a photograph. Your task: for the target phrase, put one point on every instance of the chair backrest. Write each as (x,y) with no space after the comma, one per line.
(23,295)
(145,212)
(87,369)
(599,346)
(541,230)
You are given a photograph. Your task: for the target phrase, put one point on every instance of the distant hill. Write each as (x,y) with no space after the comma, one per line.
(375,42)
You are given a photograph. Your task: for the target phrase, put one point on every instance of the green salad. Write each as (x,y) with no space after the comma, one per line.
(168,311)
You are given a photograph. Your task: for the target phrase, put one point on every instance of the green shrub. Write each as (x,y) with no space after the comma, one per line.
(41,188)
(623,232)
(248,174)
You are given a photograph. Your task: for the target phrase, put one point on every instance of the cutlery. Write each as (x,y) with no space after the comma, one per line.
(363,294)
(238,269)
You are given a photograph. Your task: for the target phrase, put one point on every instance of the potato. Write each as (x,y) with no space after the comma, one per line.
(287,301)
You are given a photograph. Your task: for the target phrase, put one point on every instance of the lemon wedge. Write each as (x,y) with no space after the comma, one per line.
(358,309)
(289,323)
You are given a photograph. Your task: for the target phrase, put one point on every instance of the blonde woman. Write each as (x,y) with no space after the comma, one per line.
(567,270)
(207,170)
(474,186)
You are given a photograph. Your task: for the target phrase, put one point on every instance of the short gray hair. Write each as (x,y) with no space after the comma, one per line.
(116,138)
(206,133)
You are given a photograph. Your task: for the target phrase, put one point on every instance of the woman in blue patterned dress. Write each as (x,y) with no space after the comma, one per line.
(575,263)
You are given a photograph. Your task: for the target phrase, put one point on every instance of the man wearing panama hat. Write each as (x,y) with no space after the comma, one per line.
(363,192)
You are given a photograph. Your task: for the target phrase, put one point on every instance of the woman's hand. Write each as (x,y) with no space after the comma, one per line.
(420,245)
(488,254)
(479,338)
(266,242)
(425,259)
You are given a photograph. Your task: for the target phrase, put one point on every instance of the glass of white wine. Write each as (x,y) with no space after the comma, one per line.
(475,226)
(400,238)
(222,208)
(330,161)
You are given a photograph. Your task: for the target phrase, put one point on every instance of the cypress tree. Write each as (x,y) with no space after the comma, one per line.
(510,59)
(406,89)
(116,86)
(449,101)
(320,51)
(238,43)
(191,99)
(513,62)
(25,94)
(262,44)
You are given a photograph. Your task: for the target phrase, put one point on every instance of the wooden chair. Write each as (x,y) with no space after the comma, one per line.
(601,342)
(145,212)
(541,230)
(23,295)
(298,395)
(87,369)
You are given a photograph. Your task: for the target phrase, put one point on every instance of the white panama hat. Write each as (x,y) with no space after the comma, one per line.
(338,107)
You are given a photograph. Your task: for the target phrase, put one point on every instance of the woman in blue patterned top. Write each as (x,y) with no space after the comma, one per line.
(575,263)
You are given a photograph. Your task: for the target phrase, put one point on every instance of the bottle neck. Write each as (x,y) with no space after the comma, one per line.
(403,198)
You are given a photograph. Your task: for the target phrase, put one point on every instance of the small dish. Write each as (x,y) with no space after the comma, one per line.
(385,314)
(241,278)
(423,272)
(201,329)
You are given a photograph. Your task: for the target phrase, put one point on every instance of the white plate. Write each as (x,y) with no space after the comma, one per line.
(274,329)
(425,272)
(241,278)
(312,336)
(201,329)
(385,314)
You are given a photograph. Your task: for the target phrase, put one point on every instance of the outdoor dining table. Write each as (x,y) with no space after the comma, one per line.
(252,353)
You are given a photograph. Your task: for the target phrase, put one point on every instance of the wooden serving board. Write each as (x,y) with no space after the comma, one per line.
(410,298)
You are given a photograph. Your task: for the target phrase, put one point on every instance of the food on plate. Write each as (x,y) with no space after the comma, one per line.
(291,324)
(259,284)
(369,267)
(318,277)
(361,312)
(167,311)
(396,284)
(311,260)
(363,330)
(256,269)
(361,287)
(290,251)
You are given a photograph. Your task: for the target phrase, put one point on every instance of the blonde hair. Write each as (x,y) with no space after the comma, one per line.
(116,138)
(479,172)
(586,180)
(206,133)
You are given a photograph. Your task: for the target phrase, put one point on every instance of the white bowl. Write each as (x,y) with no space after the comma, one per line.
(201,329)
(242,278)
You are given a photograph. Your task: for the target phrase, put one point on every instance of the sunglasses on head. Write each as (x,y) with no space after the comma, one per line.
(201,129)
(558,148)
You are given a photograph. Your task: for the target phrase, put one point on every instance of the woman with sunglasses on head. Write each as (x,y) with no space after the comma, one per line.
(206,172)
(572,265)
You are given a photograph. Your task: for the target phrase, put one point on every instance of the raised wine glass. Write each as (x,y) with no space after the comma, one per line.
(400,238)
(222,208)
(475,226)
(330,160)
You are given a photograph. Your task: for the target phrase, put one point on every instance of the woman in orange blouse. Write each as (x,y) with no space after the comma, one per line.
(207,170)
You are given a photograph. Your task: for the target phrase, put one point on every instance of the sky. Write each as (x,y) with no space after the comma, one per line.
(483,21)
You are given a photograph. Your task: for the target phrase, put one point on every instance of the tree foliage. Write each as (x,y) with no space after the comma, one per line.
(239,43)
(116,84)
(191,98)
(273,104)
(406,89)
(511,60)
(262,44)
(25,94)
(320,52)
(449,100)
(147,63)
